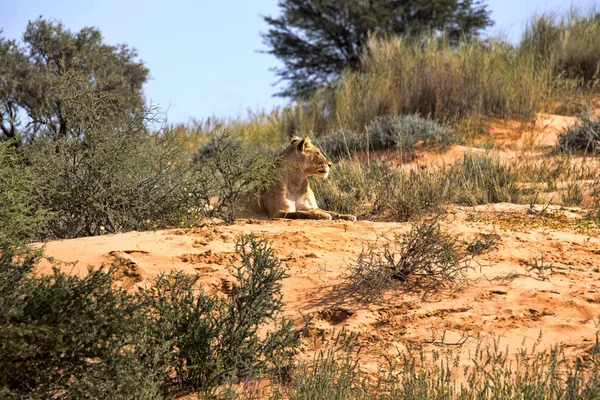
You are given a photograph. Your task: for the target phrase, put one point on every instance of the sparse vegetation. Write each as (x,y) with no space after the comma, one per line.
(426,257)
(83,337)
(491,373)
(584,135)
(333,373)
(485,242)
(542,269)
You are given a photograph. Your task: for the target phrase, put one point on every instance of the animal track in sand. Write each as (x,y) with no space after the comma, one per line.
(129,272)
(334,316)
(210,257)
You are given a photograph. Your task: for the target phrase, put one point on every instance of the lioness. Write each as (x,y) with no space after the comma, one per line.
(290,195)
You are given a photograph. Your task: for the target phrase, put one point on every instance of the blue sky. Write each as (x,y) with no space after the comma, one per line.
(202,54)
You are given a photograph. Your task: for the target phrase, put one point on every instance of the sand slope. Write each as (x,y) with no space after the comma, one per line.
(504,298)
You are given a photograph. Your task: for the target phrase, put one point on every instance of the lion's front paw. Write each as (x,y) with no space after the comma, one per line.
(349,217)
(327,216)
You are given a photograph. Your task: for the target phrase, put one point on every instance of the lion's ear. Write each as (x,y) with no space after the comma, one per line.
(304,143)
(295,139)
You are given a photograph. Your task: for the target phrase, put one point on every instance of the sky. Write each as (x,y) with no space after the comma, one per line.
(204,55)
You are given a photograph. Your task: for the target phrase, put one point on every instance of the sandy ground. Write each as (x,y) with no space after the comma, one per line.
(504,299)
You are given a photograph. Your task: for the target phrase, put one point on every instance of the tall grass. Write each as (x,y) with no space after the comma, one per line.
(490,372)
(257,129)
(556,59)
(569,45)
(406,76)
(430,77)
(375,188)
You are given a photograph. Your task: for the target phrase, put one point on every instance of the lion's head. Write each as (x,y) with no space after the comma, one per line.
(304,156)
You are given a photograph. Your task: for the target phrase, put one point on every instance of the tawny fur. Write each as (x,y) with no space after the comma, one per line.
(289,194)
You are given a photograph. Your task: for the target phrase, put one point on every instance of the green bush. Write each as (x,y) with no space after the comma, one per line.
(20,218)
(584,135)
(70,337)
(226,173)
(65,336)
(213,339)
(108,173)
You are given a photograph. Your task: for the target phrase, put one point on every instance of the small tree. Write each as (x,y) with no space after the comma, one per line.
(109,172)
(212,338)
(316,40)
(28,75)
(226,174)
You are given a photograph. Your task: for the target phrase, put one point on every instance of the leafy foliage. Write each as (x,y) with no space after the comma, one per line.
(318,40)
(31,74)
(226,172)
(20,219)
(84,337)
(70,337)
(87,157)
(108,173)
(213,339)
